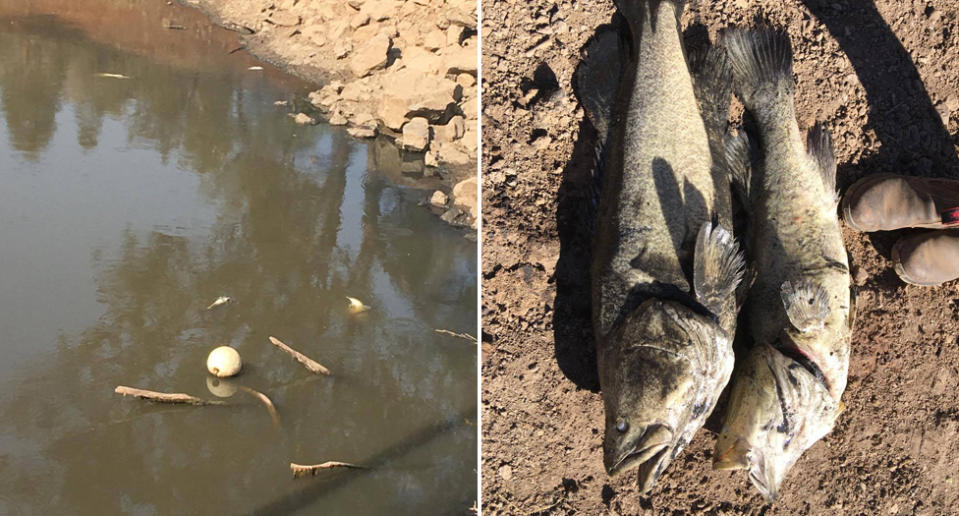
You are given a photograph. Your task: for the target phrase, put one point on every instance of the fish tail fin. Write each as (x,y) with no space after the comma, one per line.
(819,147)
(762,63)
(598,76)
(637,11)
(596,83)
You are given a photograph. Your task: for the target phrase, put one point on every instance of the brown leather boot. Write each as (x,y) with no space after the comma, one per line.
(928,259)
(883,202)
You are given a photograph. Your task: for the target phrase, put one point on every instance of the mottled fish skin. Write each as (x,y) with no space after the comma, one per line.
(664,268)
(785,396)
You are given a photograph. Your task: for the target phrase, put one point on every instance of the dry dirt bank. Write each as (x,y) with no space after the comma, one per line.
(401,68)
(884,77)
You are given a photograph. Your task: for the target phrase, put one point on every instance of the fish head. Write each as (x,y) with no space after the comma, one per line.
(652,379)
(777,409)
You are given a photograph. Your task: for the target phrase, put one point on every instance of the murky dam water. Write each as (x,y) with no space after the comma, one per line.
(127,205)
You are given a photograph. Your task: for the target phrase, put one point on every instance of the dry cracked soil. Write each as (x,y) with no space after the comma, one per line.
(884,78)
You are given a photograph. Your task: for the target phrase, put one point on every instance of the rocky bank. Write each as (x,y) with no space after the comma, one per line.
(405,69)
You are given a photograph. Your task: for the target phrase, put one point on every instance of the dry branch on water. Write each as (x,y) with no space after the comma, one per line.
(164,397)
(310,364)
(466,336)
(300,470)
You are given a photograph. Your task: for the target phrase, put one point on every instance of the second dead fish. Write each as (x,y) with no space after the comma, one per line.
(785,394)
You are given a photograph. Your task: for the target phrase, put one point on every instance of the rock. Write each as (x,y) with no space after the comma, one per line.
(466,80)
(359,20)
(459,17)
(284,18)
(464,196)
(460,60)
(453,154)
(453,130)
(434,40)
(370,56)
(429,159)
(337,119)
(361,132)
(379,10)
(423,61)
(450,215)
(342,48)
(304,119)
(354,92)
(356,4)
(468,141)
(416,134)
(426,96)
(391,112)
(454,34)
(438,199)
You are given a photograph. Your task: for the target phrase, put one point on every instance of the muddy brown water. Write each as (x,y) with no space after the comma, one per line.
(129,205)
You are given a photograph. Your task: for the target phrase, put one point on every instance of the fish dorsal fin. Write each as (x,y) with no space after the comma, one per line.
(819,147)
(739,164)
(717,266)
(806,304)
(712,85)
(597,83)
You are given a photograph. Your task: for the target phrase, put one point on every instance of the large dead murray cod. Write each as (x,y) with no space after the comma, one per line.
(785,393)
(664,267)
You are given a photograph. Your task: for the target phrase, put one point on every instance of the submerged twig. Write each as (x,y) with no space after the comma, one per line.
(164,397)
(265,400)
(300,470)
(310,364)
(466,336)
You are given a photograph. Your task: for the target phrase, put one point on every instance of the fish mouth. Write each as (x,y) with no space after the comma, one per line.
(648,452)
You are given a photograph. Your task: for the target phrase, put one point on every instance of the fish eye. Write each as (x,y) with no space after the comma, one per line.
(622,425)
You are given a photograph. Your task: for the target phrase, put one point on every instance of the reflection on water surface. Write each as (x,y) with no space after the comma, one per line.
(129,205)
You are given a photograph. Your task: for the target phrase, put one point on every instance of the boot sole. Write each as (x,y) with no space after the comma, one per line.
(901,272)
(846,214)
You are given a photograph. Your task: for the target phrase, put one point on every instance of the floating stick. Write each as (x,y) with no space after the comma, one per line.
(310,364)
(466,336)
(300,470)
(164,397)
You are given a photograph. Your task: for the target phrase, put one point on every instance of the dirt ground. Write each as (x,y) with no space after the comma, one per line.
(884,77)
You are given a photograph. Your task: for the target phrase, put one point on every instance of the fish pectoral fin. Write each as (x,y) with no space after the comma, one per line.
(717,266)
(819,147)
(806,304)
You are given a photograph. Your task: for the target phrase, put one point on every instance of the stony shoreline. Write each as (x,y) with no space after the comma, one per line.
(384,70)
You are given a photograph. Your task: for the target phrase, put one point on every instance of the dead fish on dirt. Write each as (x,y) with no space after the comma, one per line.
(220,301)
(664,267)
(111,75)
(356,306)
(255,68)
(785,394)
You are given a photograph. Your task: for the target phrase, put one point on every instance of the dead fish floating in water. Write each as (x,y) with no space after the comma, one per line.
(664,267)
(220,301)
(111,75)
(356,306)
(785,395)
